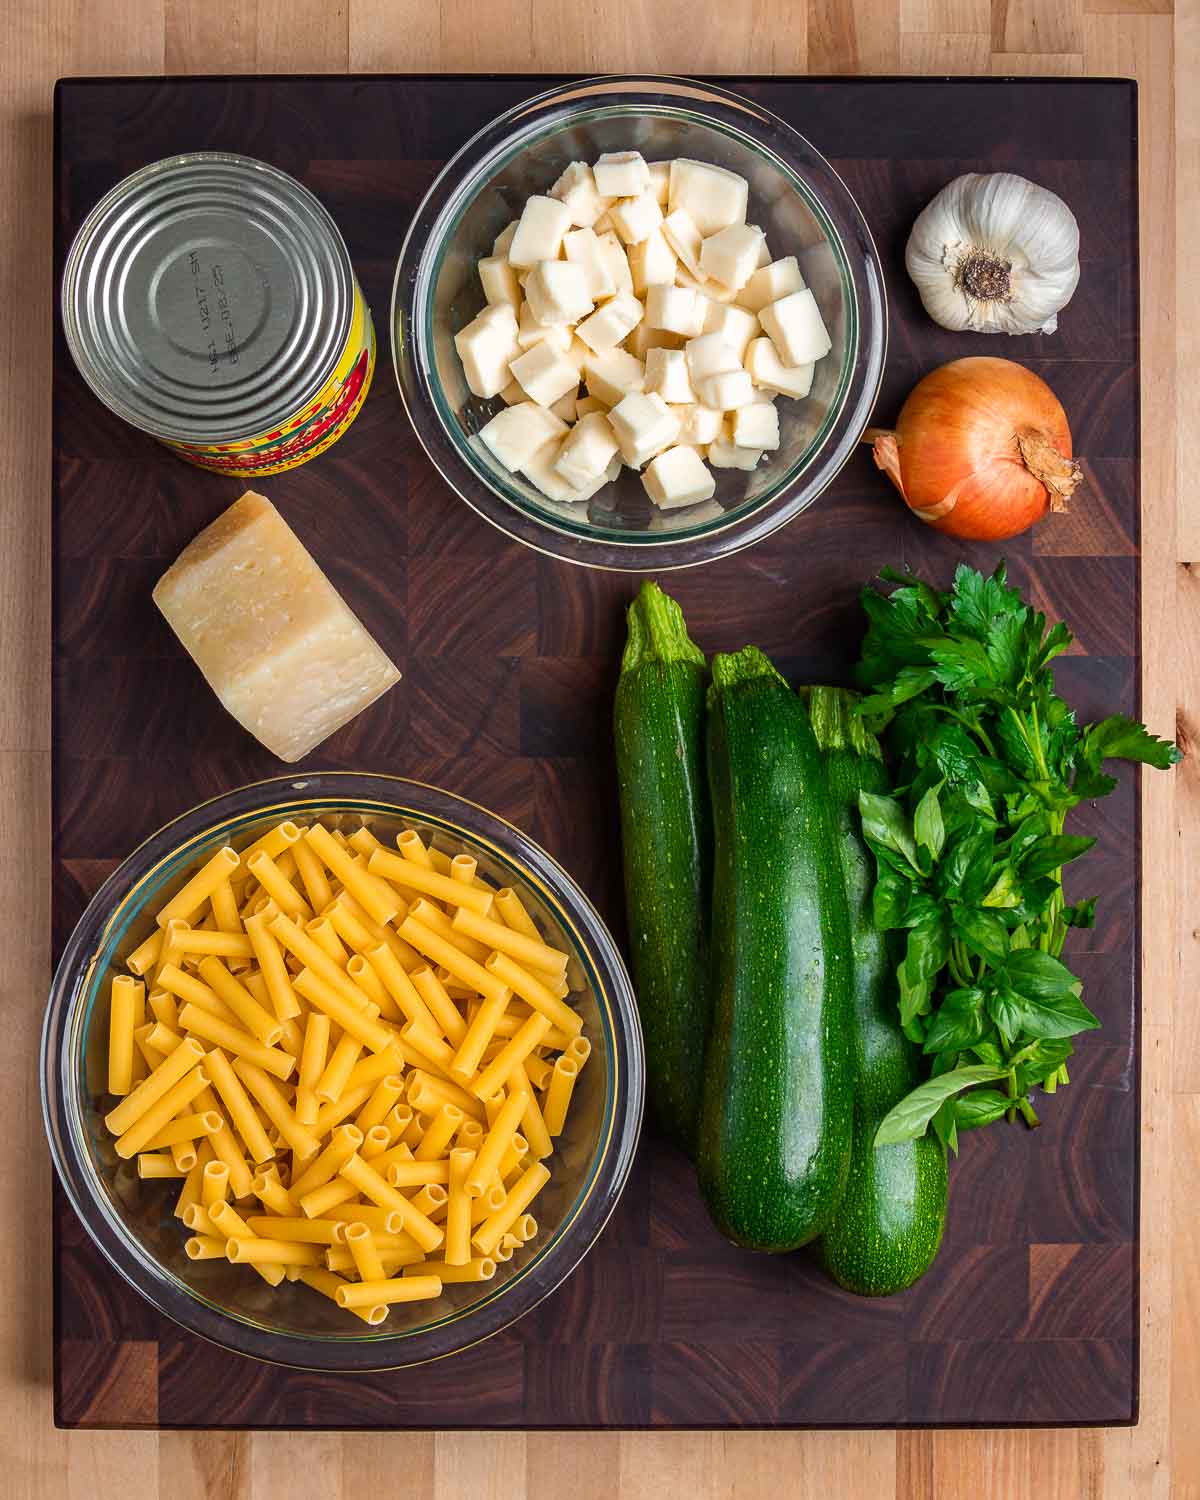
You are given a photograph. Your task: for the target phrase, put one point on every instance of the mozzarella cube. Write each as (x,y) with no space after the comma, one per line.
(756,426)
(540,229)
(644,338)
(558,292)
(676,309)
(514,436)
(546,374)
(621,174)
(604,223)
(660,181)
(715,291)
(566,407)
(530,331)
(611,377)
(710,355)
(728,390)
(541,472)
(576,190)
(667,375)
(731,255)
(616,260)
(683,277)
(643,426)
(768,371)
(610,324)
(764,255)
(699,425)
(585,405)
(587,450)
(685,239)
(713,196)
(635,219)
(504,239)
(725,455)
(499,280)
(652,263)
(734,324)
(512,394)
(486,347)
(576,354)
(678,477)
(771,282)
(795,326)
(582,248)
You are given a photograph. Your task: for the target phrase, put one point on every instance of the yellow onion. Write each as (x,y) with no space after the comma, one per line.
(981,449)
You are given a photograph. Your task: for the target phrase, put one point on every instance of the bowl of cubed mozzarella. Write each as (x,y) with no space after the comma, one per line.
(639,323)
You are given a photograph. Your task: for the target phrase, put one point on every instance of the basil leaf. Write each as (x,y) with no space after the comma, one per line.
(1059,1015)
(964,870)
(945,1126)
(886,826)
(1082,914)
(1038,975)
(989,1053)
(959,1021)
(1027,833)
(1036,895)
(890,899)
(1005,891)
(928,827)
(1052,852)
(979,1107)
(910,1118)
(1006,1008)
(983,932)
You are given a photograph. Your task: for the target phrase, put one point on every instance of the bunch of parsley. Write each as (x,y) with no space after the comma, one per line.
(987,762)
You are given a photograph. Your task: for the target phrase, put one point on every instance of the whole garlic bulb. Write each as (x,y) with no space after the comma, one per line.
(995,253)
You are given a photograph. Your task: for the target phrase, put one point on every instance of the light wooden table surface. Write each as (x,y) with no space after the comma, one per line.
(44,39)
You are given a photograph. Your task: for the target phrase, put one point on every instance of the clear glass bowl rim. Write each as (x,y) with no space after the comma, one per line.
(376,1350)
(458,182)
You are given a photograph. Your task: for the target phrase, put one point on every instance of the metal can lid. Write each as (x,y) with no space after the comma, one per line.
(207,297)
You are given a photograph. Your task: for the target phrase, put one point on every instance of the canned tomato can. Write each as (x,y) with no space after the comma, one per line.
(210,301)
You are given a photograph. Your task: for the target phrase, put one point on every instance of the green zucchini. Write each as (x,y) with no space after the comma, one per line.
(889,1225)
(775,1120)
(666,833)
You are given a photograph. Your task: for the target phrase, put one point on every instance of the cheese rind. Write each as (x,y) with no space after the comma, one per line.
(276,642)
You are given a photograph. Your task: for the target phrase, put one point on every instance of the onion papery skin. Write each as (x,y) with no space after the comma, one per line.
(981,450)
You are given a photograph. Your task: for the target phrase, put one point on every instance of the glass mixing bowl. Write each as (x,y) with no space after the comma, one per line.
(132,1222)
(795,196)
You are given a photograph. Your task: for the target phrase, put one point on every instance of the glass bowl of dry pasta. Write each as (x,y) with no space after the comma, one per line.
(342,1072)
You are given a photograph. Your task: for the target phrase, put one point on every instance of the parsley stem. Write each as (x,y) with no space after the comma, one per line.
(973,725)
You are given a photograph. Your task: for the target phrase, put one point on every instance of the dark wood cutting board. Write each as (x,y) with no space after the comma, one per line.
(1030,1314)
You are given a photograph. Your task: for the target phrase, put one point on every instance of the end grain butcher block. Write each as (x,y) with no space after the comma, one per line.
(509,661)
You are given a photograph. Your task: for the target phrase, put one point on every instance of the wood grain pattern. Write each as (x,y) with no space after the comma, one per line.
(510,658)
(1158,1457)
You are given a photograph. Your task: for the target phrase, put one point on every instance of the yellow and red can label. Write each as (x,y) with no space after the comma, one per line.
(316,426)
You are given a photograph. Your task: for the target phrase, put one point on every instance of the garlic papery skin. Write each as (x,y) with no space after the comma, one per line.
(995,253)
